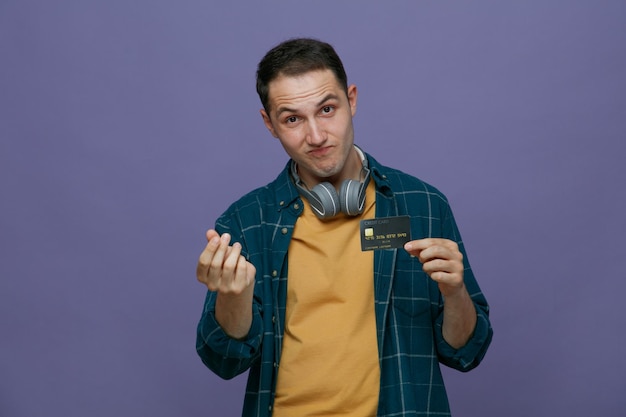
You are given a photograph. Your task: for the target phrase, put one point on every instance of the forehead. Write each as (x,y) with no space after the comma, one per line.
(301,90)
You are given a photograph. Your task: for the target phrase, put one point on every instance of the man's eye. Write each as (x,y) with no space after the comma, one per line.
(292,119)
(327,109)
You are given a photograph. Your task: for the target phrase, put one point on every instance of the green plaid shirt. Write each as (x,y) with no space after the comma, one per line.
(408,304)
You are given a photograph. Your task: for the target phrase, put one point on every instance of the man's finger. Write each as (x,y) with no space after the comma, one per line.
(210,234)
(206,257)
(220,253)
(421,244)
(231,260)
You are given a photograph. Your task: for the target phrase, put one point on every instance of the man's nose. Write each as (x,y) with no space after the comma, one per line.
(316,135)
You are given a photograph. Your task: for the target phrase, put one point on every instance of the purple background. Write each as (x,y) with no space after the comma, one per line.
(126,127)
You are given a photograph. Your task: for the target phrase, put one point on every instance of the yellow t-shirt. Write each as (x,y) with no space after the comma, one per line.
(329,364)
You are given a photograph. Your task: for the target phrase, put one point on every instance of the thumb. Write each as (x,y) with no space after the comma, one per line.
(210,234)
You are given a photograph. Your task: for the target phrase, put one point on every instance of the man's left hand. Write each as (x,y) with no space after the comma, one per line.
(442,261)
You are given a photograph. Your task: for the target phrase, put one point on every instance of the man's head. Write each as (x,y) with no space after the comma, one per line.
(296,57)
(308,107)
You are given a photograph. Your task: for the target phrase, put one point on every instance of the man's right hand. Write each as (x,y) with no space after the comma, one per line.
(223,269)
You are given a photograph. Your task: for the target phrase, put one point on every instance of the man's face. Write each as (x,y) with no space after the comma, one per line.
(311,115)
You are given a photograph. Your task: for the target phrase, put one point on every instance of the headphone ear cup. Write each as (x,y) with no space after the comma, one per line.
(327,200)
(351,197)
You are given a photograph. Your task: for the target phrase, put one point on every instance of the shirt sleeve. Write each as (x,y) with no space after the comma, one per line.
(470,355)
(224,355)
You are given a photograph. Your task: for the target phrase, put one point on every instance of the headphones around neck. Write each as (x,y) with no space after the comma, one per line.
(324,199)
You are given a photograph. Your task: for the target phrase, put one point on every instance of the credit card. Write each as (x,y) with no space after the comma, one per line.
(385,232)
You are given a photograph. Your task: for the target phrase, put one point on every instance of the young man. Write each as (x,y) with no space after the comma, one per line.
(324,327)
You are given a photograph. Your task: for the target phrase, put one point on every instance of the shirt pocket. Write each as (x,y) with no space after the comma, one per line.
(410,289)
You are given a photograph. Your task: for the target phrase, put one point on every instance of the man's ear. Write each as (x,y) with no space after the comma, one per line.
(352,98)
(268,123)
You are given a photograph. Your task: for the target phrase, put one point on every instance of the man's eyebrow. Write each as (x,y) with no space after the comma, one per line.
(327,97)
(283,109)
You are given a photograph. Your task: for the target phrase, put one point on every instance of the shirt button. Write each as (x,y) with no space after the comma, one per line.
(275,365)
(284,231)
(296,206)
(270,408)
(273,319)
(282,203)
(274,273)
